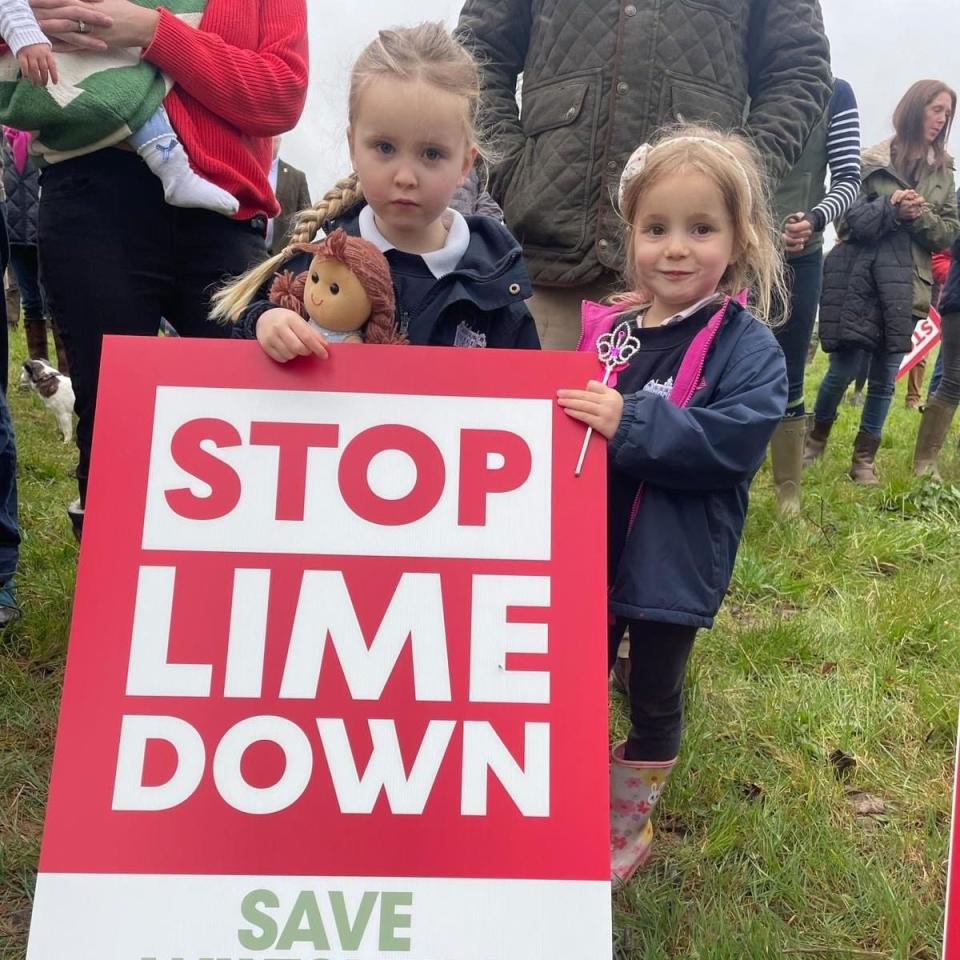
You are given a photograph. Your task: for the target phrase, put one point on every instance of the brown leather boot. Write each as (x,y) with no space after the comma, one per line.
(862,469)
(816,441)
(35,328)
(786,462)
(934,426)
(915,384)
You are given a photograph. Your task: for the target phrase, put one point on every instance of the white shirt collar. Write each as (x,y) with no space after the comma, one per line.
(439,262)
(690,311)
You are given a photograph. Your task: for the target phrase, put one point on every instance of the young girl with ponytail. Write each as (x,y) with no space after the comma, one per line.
(459,281)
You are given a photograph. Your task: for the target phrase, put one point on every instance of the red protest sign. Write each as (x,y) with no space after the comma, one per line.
(951,935)
(336,677)
(926,335)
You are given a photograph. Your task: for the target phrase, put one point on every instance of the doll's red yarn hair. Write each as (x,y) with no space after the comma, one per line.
(366,263)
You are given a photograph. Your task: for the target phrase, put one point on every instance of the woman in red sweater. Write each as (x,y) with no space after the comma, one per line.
(114,257)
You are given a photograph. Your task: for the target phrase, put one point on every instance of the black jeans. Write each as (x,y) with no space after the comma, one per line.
(804,278)
(115,258)
(658,665)
(948,388)
(9,527)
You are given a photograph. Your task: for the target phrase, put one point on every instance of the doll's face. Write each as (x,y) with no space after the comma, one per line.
(333,296)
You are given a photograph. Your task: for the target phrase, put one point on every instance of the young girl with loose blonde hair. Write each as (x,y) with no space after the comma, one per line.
(730,162)
(460,281)
(688,418)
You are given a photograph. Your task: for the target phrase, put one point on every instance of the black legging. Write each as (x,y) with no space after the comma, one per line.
(658,665)
(949,389)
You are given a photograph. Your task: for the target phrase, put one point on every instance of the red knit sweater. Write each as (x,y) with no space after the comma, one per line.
(241,78)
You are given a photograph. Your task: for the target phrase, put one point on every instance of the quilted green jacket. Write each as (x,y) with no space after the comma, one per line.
(599,77)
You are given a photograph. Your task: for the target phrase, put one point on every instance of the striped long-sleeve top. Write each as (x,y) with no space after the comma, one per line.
(18,25)
(843,156)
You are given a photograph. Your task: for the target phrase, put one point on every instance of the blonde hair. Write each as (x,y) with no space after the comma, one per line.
(731,163)
(426,52)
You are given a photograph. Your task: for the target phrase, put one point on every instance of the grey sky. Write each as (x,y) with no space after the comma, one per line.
(880,46)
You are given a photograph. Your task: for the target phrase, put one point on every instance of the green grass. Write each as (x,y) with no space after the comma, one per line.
(828,688)
(32,650)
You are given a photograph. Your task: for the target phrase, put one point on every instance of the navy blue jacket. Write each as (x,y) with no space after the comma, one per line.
(695,465)
(486,292)
(950,298)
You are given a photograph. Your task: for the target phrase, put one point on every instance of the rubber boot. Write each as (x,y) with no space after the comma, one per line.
(63,364)
(35,328)
(816,441)
(862,468)
(786,460)
(635,788)
(915,384)
(934,426)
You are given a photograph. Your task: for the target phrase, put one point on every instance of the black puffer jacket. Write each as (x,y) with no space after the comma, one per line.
(23,197)
(868,282)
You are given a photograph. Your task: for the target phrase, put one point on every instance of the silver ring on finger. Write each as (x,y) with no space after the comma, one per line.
(82,27)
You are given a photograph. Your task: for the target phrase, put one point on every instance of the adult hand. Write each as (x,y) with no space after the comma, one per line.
(797,232)
(284,335)
(119,23)
(911,207)
(71,24)
(599,406)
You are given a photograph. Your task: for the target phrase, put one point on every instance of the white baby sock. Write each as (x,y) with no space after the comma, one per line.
(182,185)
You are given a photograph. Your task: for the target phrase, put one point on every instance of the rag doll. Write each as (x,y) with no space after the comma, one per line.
(346,293)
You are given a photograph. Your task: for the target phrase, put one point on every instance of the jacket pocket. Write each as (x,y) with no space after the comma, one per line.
(688,100)
(731,9)
(546,204)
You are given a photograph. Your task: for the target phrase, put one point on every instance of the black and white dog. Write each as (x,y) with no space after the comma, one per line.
(55,390)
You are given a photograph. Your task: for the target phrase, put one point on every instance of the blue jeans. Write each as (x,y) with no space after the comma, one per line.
(157,125)
(23,262)
(805,277)
(881,380)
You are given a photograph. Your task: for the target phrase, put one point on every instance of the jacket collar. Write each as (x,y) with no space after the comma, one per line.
(880,157)
(439,262)
(491,273)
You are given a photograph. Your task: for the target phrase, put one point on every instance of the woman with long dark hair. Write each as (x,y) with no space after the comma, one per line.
(878,279)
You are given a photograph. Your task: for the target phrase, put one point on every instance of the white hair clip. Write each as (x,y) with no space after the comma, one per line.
(638,160)
(636,163)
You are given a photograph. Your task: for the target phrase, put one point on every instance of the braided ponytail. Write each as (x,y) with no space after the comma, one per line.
(425,52)
(234,297)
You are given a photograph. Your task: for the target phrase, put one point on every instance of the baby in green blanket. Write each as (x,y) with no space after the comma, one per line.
(108,106)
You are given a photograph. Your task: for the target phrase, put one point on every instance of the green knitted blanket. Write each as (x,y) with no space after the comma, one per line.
(100,100)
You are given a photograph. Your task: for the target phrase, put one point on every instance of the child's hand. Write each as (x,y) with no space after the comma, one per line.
(37,64)
(284,335)
(598,406)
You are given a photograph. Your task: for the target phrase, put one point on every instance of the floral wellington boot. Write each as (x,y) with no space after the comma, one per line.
(635,788)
